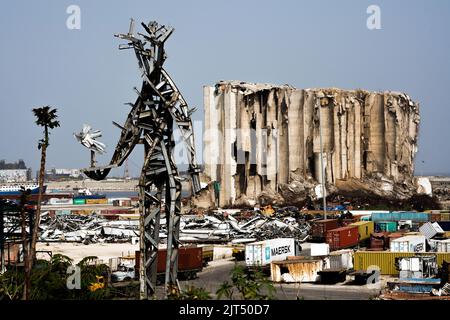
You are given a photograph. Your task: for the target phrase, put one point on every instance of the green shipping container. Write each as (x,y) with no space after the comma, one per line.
(79,201)
(386,226)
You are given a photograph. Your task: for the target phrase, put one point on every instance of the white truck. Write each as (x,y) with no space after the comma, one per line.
(262,253)
(125,272)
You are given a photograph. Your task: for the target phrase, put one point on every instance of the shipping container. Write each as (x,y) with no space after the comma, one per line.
(342,259)
(11,253)
(429,230)
(435,217)
(379,240)
(386,226)
(365,229)
(443,246)
(97,201)
(297,270)
(342,238)
(79,201)
(262,253)
(63,212)
(408,244)
(347,222)
(401,215)
(319,228)
(58,201)
(190,260)
(385,260)
(320,249)
(116,211)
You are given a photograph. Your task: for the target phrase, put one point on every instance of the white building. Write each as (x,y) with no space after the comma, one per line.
(13,175)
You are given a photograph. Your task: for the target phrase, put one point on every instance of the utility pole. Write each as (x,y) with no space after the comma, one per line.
(324,191)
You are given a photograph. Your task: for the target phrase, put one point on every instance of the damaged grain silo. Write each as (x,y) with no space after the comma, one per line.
(261,142)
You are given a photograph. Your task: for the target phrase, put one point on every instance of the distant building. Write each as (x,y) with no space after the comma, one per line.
(14,171)
(15,175)
(62,174)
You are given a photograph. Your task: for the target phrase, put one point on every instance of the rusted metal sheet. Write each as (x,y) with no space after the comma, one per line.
(385,260)
(299,270)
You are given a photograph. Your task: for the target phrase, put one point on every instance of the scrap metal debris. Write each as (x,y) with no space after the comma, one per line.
(87,229)
(216,226)
(232,225)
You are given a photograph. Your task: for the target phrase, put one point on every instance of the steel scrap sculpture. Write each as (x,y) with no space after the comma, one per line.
(158,108)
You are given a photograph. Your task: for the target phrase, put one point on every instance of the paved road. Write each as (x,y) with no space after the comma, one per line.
(214,275)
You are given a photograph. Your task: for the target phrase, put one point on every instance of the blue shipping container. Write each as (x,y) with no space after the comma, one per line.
(401,215)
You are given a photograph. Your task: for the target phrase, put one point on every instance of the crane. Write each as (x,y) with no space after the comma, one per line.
(159,107)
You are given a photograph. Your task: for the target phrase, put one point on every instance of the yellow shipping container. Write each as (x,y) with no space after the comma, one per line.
(97,201)
(365,228)
(385,260)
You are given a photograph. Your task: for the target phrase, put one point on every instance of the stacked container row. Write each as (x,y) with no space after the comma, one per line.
(401,215)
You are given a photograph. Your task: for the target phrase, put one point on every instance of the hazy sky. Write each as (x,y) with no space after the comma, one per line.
(302,43)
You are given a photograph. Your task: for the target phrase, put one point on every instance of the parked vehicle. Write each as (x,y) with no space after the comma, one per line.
(123,273)
(190,262)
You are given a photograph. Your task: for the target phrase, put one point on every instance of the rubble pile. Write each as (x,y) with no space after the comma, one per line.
(244,225)
(86,229)
(214,226)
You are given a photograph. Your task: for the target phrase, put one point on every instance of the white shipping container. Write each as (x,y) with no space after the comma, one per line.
(262,253)
(56,201)
(342,259)
(408,244)
(429,229)
(320,249)
(443,245)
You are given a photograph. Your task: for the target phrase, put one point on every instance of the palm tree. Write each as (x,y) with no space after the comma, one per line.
(46,117)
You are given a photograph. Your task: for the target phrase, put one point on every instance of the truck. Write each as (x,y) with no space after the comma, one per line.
(262,253)
(190,262)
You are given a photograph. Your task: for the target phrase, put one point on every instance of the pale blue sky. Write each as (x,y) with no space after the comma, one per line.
(303,43)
